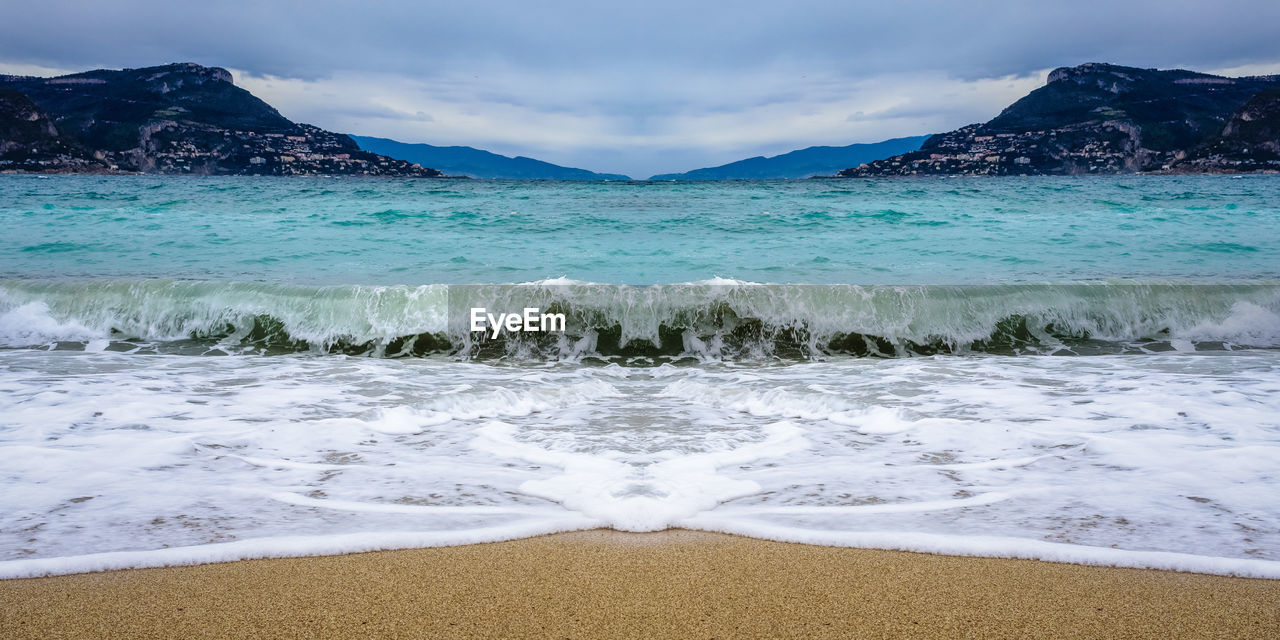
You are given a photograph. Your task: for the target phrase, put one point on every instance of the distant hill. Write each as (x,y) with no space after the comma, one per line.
(174,119)
(477,163)
(1249,142)
(1106,119)
(804,163)
(28,139)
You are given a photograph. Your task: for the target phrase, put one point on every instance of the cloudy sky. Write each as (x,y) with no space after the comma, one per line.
(640,88)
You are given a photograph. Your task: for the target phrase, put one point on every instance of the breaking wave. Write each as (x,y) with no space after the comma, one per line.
(708,320)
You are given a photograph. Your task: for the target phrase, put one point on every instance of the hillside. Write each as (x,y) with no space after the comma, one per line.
(1102,119)
(174,119)
(477,163)
(1249,142)
(28,139)
(802,163)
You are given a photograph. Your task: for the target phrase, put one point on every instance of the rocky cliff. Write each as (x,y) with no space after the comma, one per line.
(174,119)
(1107,119)
(29,141)
(1250,142)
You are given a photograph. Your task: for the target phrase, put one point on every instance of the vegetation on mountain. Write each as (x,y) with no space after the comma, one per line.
(1107,119)
(174,119)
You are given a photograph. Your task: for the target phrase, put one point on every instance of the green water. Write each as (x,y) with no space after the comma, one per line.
(363,231)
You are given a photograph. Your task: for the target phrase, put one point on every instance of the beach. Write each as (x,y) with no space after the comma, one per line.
(366,322)
(1018,408)
(672,584)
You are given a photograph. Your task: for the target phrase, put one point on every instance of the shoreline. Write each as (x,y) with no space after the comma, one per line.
(604,583)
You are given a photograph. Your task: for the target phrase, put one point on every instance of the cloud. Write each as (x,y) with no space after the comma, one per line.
(704,118)
(640,88)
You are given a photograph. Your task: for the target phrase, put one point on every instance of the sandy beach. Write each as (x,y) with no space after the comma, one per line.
(677,584)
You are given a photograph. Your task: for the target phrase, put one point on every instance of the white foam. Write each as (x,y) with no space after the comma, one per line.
(873,420)
(864,509)
(404,420)
(280,547)
(164,310)
(1001,547)
(32,324)
(717,281)
(1247,324)
(703,312)
(417,509)
(648,498)
(1165,461)
(560,281)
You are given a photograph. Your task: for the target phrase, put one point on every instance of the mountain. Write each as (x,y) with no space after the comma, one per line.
(174,119)
(1249,142)
(29,139)
(803,163)
(1106,119)
(477,163)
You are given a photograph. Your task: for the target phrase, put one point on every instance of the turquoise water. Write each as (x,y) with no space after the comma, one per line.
(360,231)
(1070,369)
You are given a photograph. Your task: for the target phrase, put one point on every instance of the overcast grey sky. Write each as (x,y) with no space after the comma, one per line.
(640,88)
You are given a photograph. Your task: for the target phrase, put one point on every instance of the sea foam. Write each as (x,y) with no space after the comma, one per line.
(1162,461)
(712,320)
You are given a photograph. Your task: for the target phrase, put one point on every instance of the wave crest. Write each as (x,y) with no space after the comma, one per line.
(710,320)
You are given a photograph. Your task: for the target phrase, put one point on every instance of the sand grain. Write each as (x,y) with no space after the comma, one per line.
(675,584)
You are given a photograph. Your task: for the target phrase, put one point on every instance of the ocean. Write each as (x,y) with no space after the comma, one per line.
(1070,369)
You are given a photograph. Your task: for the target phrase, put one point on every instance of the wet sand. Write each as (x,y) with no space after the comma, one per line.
(675,584)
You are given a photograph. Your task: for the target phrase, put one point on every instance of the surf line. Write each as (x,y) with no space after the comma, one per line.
(529,320)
